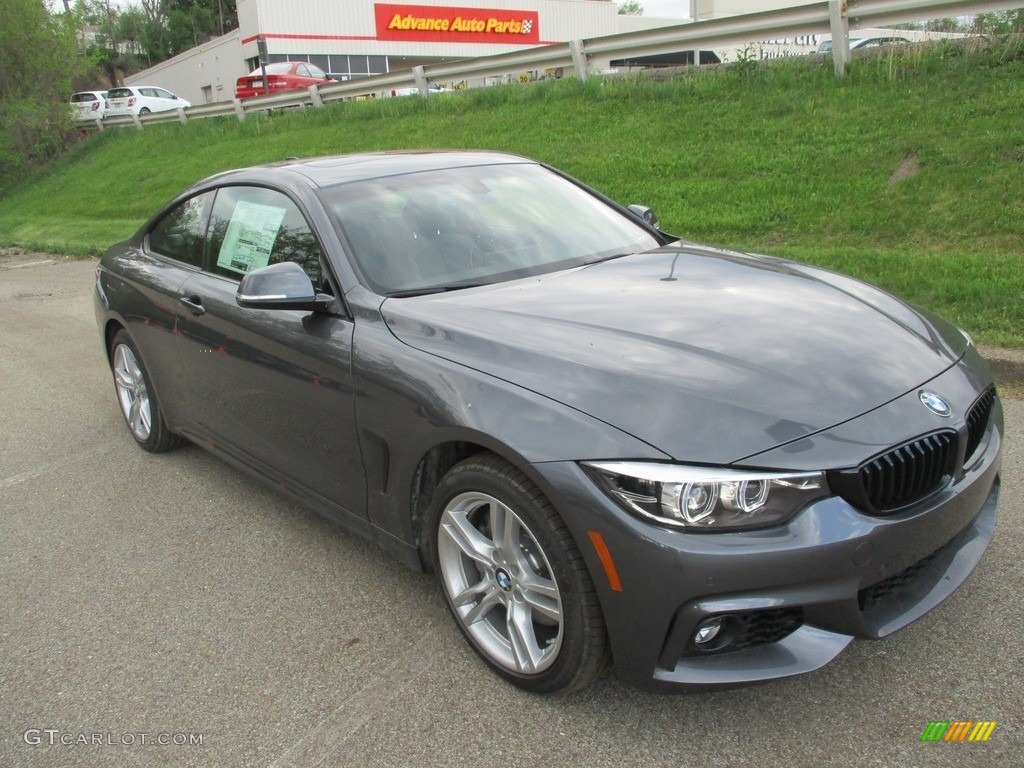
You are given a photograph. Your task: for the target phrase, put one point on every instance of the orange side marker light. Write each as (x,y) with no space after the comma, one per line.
(606,560)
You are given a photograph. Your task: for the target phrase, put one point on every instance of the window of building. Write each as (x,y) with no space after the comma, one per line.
(338,65)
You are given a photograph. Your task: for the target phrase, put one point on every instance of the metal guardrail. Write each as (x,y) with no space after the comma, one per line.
(837,17)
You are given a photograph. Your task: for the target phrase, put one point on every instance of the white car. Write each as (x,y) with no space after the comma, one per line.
(414,91)
(865,42)
(88,105)
(141,100)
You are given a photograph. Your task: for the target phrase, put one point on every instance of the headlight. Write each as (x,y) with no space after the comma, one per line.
(708,498)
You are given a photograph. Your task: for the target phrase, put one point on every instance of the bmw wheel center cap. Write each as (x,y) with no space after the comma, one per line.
(504,580)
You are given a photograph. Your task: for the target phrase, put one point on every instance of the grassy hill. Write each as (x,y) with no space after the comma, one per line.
(908,173)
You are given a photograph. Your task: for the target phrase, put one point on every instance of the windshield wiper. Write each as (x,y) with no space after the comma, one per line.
(456,285)
(605,258)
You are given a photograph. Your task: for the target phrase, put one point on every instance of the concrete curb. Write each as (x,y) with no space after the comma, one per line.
(1006,364)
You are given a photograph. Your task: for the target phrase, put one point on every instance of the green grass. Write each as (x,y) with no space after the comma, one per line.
(784,159)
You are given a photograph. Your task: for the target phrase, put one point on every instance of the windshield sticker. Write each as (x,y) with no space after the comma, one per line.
(250,237)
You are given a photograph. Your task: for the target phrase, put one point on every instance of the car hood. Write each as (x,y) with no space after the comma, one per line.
(707,355)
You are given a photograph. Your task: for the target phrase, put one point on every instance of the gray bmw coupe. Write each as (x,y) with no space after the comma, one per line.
(607,443)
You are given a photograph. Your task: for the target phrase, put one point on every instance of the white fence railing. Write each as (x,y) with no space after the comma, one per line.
(837,17)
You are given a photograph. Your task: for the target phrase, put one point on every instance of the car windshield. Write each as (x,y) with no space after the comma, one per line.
(119,93)
(441,230)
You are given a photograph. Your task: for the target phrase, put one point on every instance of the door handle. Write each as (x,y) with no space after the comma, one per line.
(194,304)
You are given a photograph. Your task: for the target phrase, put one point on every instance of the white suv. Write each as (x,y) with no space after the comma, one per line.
(141,100)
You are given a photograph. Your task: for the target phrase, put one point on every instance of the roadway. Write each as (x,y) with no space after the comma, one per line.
(171,599)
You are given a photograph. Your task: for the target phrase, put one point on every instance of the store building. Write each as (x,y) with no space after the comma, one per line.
(357,38)
(362,37)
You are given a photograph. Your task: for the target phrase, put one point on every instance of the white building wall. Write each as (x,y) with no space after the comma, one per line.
(202,75)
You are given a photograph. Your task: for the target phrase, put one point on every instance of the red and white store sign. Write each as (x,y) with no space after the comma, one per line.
(449,24)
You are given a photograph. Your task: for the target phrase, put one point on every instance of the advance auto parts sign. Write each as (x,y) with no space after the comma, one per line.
(444,24)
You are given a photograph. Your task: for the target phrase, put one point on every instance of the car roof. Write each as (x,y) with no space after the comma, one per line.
(277,67)
(331,171)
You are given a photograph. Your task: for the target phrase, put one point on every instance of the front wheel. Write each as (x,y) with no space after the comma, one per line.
(514,580)
(139,406)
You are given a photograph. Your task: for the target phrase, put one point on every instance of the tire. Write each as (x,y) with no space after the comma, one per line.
(523,597)
(144,111)
(141,410)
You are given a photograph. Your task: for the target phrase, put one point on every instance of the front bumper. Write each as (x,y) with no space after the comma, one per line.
(831,572)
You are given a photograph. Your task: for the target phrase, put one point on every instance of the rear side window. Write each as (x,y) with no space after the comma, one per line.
(252,227)
(180,234)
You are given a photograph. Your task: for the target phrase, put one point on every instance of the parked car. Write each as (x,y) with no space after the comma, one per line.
(141,100)
(88,105)
(280,76)
(415,91)
(718,466)
(865,42)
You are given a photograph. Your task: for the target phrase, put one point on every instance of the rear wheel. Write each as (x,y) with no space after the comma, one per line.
(514,579)
(139,406)
(143,111)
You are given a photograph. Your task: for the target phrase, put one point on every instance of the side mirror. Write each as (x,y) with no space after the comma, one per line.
(280,286)
(646,215)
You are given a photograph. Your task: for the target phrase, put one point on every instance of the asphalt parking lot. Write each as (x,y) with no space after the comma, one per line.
(167,611)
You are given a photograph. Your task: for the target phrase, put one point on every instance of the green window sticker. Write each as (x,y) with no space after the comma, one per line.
(250,237)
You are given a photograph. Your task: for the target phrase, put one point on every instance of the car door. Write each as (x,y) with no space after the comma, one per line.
(166,100)
(272,388)
(145,283)
(149,100)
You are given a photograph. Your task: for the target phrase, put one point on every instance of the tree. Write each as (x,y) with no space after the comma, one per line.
(631,8)
(210,18)
(1005,23)
(141,35)
(101,32)
(40,56)
(944,25)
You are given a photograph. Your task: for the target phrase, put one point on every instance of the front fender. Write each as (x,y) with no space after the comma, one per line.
(409,402)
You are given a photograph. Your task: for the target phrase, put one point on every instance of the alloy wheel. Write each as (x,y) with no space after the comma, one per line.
(500,583)
(132,393)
